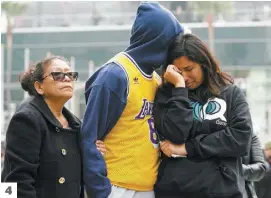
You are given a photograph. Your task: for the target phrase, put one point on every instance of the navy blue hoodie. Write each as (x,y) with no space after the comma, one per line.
(106,90)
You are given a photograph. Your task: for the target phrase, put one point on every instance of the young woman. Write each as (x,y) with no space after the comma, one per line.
(204,124)
(42,141)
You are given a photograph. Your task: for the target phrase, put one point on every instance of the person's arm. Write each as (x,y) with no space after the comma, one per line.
(173,115)
(233,141)
(105,104)
(255,170)
(23,140)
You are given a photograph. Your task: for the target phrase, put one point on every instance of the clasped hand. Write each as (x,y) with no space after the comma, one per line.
(170,149)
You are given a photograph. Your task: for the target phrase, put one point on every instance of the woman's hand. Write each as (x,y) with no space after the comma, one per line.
(170,149)
(101,146)
(174,76)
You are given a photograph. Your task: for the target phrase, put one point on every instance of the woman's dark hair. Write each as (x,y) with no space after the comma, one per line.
(195,50)
(35,73)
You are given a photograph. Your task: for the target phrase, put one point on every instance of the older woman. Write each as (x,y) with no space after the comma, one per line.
(42,150)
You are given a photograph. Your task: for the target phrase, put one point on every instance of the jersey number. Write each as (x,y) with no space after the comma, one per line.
(153,134)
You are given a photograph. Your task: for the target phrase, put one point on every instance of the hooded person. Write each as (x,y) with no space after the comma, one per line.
(119,99)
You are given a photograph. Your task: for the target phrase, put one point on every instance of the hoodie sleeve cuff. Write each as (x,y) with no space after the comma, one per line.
(180,91)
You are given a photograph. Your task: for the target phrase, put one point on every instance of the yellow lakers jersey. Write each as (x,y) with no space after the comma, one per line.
(132,145)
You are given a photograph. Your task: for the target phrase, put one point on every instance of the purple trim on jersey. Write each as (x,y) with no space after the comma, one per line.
(133,61)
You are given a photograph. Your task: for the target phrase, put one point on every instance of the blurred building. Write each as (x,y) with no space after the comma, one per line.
(89,33)
(72,13)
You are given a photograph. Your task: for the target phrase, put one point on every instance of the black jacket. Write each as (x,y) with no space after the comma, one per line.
(263,187)
(24,102)
(41,156)
(254,167)
(216,132)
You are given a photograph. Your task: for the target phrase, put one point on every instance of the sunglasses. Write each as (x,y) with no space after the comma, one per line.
(60,76)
